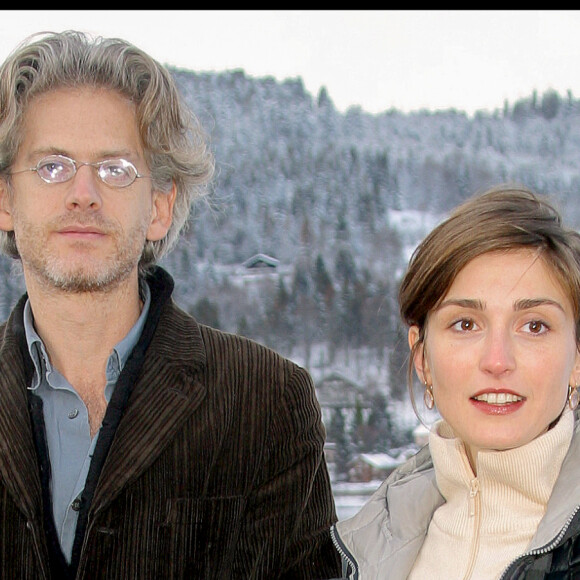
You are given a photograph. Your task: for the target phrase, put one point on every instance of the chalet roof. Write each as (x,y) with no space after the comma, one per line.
(261,260)
(380,460)
(334,377)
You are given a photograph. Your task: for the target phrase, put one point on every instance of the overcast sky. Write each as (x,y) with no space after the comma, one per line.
(470,60)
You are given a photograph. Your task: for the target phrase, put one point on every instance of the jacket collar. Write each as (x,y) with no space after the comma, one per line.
(563,502)
(395,518)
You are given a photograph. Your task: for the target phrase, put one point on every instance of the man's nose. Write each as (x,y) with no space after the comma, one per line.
(84,189)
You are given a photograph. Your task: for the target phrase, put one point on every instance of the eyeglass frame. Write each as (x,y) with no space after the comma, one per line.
(78,164)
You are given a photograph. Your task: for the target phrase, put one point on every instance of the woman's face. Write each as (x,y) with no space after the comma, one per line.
(500,351)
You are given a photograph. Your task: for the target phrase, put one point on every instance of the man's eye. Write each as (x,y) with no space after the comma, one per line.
(51,169)
(115,170)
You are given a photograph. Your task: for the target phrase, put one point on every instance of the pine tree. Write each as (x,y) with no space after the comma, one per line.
(337,435)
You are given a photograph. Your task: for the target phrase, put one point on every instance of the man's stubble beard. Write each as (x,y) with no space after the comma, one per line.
(87,275)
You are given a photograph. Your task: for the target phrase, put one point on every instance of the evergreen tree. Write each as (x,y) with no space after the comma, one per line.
(382,433)
(338,435)
(357,435)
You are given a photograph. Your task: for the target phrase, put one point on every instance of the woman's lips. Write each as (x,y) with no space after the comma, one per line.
(497,402)
(500,398)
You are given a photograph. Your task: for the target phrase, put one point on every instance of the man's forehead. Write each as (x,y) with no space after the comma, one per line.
(94,123)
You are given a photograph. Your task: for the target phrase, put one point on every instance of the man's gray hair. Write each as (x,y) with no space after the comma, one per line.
(175,144)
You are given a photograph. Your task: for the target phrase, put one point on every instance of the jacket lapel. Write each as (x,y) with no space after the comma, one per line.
(18,461)
(167,392)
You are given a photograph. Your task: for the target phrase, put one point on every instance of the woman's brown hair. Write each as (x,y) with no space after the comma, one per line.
(503,218)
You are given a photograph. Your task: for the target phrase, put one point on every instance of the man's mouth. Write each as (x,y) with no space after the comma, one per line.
(80,230)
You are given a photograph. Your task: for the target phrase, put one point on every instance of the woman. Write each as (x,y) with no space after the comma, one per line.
(492,301)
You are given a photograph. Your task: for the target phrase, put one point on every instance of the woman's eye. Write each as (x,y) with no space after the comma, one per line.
(535,327)
(463,325)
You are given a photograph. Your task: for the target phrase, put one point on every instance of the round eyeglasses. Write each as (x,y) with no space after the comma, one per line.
(59,168)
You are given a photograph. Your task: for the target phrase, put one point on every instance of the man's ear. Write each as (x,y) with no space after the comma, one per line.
(6,222)
(162,215)
(418,354)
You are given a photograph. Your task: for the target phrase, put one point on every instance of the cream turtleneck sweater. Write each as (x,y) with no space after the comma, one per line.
(488,520)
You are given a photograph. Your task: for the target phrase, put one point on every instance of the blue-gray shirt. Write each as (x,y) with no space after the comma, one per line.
(66,421)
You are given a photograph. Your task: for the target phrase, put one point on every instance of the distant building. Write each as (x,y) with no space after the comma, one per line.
(261,273)
(373,466)
(261,261)
(334,390)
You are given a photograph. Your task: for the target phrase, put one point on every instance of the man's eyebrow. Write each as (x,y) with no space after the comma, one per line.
(44,151)
(105,154)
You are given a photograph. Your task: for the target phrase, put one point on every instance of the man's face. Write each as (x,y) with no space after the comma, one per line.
(81,235)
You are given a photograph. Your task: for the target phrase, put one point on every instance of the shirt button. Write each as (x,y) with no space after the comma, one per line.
(74,413)
(76,504)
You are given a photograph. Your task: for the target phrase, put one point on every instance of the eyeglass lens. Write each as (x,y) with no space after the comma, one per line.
(113,172)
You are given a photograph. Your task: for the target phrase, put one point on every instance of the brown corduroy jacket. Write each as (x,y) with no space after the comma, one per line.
(215,470)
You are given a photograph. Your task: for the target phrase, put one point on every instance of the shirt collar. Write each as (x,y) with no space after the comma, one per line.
(35,348)
(117,358)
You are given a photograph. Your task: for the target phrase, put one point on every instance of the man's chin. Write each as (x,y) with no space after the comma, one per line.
(81,280)
(82,285)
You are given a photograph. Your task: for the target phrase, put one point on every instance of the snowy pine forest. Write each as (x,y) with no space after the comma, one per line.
(339,201)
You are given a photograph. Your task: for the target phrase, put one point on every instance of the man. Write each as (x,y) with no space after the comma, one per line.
(135,443)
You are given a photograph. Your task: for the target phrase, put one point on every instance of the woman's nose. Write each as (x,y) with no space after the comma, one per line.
(497,355)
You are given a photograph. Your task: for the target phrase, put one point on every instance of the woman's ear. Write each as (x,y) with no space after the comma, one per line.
(575,374)
(417,347)
(6,221)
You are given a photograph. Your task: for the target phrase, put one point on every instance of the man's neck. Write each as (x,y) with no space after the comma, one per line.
(79,330)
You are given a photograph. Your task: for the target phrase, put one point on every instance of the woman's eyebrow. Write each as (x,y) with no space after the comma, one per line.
(521,304)
(473,303)
(527,303)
